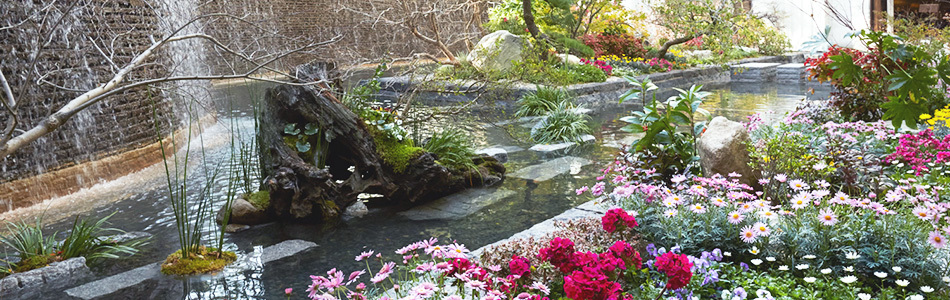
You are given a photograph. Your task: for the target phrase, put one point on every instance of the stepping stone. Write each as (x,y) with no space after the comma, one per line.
(549,148)
(112,284)
(547,170)
(754,72)
(458,205)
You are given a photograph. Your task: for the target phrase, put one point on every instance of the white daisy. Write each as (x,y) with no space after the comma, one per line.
(809,279)
(902,282)
(849,279)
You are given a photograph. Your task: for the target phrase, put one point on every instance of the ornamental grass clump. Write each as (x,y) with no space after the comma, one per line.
(453,149)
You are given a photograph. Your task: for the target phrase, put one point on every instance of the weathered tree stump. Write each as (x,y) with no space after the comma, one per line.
(299,191)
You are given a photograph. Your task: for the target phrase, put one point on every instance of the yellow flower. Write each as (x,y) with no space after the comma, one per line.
(925,116)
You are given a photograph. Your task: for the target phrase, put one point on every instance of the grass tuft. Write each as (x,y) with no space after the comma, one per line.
(542,102)
(453,149)
(562,125)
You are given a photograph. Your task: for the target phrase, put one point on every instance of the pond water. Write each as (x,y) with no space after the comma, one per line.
(385,229)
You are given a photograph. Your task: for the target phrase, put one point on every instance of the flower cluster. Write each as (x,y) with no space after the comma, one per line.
(677,269)
(922,149)
(599,64)
(624,44)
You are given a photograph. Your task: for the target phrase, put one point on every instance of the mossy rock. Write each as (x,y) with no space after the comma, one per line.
(260,199)
(34,262)
(394,152)
(209,260)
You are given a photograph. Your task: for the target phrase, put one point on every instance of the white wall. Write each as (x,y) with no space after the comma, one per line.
(802,19)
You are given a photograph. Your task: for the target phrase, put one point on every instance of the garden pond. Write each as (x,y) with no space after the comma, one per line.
(489,214)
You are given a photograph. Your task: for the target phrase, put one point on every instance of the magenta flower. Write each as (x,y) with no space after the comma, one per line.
(383,272)
(287,291)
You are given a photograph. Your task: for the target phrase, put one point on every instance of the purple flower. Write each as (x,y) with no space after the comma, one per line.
(651,249)
(711,277)
(745,267)
(740,292)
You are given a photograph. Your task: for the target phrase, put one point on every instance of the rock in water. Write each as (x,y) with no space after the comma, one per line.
(498,153)
(243,212)
(356,210)
(722,149)
(496,51)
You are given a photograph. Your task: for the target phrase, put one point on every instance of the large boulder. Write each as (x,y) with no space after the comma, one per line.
(496,51)
(722,149)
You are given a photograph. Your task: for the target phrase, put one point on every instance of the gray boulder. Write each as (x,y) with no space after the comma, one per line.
(496,51)
(36,283)
(356,210)
(499,154)
(243,212)
(722,149)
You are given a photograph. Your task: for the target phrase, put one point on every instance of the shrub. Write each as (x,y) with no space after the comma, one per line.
(452,148)
(542,101)
(623,44)
(576,47)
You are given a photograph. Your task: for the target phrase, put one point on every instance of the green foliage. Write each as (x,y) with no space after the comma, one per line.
(561,125)
(260,199)
(394,152)
(531,69)
(85,239)
(575,47)
(28,240)
(664,146)
(453,149)
(357,98)
(542,101)
(896,80)
(723,25)
(301,140)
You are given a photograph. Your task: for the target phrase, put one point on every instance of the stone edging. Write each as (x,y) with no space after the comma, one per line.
(593,208)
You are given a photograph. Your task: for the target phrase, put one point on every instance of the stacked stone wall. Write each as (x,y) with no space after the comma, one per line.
(91,39)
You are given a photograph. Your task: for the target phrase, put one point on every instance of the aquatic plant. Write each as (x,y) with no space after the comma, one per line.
(86,239)
(542,101)
(28,240)
(452,148)
(562,125)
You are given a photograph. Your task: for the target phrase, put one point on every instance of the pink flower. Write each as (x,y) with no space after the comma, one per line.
(761,229)
(736,217)
(364,255)
(781,177)
(519,266)
(287,291)
(617,218)
(748,234)
(827,217)
(937,240)
(698,208)
(541,287)
(354,276)
(383,272)
(582,190)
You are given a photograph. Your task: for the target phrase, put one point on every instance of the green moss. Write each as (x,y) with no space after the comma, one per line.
(34,262)
(210,260)
(395,153)
(260,199)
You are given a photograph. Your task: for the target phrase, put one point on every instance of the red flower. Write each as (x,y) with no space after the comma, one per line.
(617,218)
(590,285)
(560,254)
(520,266)
(677,269)
(626,253)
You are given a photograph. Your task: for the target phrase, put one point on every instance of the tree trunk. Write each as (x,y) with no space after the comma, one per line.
(529,19)
(300,191)
(661,53)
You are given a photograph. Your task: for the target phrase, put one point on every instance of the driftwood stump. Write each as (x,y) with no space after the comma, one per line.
(299,191)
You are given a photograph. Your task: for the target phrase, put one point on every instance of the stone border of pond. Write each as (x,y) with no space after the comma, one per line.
(440,92)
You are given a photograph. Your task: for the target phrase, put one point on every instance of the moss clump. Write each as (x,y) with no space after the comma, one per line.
(260,199)
(34,262)
(209,260)
(395,153)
